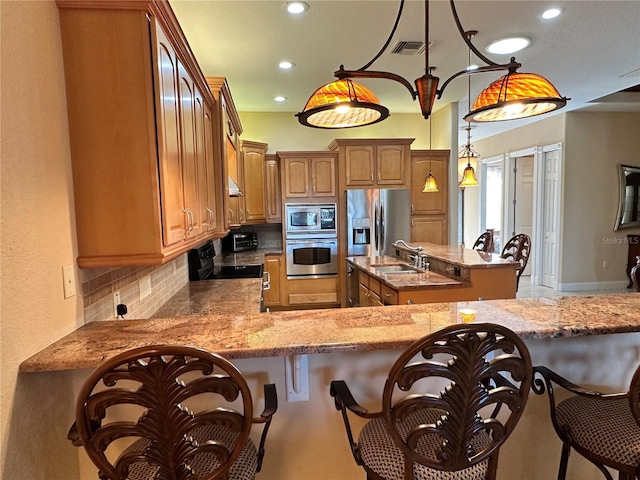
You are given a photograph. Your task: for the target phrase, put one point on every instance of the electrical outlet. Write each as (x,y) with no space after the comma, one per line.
(144,285)
(605,264)
(68,281)
(116,302)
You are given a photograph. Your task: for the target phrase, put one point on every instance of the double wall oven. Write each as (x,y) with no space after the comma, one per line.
(311,240)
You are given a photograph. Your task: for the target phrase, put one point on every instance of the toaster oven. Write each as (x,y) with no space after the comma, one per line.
(240,242)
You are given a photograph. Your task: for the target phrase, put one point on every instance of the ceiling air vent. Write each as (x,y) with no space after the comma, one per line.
(408,48)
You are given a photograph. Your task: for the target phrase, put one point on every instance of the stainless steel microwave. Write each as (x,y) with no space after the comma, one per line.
(316,220)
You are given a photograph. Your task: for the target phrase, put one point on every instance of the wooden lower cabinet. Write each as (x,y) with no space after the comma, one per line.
(312,292)
(275,268)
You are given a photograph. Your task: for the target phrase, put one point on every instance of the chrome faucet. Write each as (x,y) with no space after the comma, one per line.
(418,257)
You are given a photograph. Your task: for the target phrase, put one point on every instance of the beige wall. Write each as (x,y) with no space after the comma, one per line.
(593,144)
(283,132)
(37,240)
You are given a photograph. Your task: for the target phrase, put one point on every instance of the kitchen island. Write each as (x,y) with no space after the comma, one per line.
(454,274)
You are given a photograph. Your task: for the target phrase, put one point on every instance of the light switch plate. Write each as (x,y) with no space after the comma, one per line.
(68,281)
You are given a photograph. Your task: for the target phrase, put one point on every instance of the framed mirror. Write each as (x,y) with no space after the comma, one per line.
(629,207)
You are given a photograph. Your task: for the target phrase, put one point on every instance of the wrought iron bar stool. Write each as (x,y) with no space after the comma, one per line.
(518,249)
(174,412)
(484,243)
(603,428)
(455,433)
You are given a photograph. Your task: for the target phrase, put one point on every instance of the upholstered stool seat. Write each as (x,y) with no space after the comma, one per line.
(379,452)
(244,467)
(604,427)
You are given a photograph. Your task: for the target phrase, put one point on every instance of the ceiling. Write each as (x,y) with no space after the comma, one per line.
(589,53)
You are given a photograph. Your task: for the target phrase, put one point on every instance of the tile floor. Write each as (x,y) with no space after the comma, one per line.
(526,290)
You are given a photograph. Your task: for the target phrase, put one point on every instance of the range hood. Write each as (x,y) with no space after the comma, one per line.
(234,190)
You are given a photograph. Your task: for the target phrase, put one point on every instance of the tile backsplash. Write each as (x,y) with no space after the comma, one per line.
(99,284)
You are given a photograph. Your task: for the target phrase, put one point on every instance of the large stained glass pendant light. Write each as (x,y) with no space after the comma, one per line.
(342,104)
(526,93)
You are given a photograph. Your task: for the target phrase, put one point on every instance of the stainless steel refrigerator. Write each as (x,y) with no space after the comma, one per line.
(375,219)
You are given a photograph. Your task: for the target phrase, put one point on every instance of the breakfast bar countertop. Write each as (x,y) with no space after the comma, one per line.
(256,335)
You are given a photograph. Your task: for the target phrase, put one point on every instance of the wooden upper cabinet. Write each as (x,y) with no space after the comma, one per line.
(174,220)
(227,152)
(272,189)
(360,163)
(429,210)
(296,177)
(252,155)
(137,104)
(308,175)
(323,176)
(423,162)
(374,162)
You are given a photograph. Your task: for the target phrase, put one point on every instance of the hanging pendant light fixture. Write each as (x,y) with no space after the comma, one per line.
(342,104)
(467,154)
(530,94)
(430,184)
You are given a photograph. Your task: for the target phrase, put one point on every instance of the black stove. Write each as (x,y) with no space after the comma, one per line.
(237,271)
(202,267)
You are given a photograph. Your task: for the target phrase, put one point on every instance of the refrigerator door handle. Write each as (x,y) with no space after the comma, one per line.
(382,226)
(376,228)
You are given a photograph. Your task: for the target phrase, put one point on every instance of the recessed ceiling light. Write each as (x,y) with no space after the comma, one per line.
(551,13)
(279,98)
(285,65)
(297,8)
(508,45)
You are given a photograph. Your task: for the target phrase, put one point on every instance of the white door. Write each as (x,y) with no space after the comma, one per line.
(550,218)
(523,199)
(491,201)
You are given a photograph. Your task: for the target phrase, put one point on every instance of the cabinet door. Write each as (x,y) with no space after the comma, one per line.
(172,200)
(430,229)
(360,165)
(390,164)
(323,177)
(253,170)
(296,177)
(273,265)
(210,176)
(272,190)
(202,213)
(186,98)
(430,202)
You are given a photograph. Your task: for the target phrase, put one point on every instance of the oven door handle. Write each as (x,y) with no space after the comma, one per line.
(312,242)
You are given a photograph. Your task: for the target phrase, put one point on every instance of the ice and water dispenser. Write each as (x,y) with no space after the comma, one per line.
(359,236)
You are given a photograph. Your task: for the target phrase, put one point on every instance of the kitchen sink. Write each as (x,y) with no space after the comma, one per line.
(396,269)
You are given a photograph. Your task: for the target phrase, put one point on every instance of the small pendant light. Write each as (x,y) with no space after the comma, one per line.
(430,184)
(467,154)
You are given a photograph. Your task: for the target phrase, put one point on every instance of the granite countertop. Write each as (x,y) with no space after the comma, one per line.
(403,281)
(244,335)
(464,257)
(214,297)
